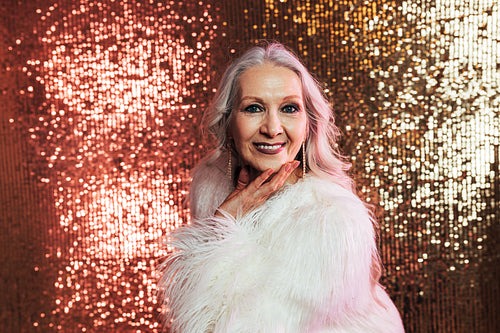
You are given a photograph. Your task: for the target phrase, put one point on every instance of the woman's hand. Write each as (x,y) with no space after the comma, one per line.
(248,196)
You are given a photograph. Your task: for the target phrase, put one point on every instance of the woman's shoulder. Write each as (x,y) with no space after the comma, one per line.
(211,165)
(327,191)
(209,186)
(325,200)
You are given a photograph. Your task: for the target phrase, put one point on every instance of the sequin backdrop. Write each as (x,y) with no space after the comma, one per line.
(101,103)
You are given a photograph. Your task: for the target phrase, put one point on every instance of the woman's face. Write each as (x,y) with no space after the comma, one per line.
(269,122)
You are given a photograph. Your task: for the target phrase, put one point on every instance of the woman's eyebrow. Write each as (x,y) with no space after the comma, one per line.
(252,98)
(292,97)
(255,98)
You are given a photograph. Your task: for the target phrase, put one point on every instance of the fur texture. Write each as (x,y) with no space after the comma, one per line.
(303,262)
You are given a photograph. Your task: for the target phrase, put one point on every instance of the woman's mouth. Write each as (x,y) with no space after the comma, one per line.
(267,148)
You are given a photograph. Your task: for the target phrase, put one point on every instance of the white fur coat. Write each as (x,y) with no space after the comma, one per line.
(302,262)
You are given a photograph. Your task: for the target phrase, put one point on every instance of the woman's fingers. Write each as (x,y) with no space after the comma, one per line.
(261,179)
(282,175)
(243,179)
(249,196)
(262,193)
(278,179)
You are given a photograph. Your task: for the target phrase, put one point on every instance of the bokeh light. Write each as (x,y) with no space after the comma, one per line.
(103,103)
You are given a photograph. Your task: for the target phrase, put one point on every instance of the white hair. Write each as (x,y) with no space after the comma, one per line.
(322,154)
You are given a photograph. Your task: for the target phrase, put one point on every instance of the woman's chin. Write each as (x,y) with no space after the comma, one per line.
(259,168)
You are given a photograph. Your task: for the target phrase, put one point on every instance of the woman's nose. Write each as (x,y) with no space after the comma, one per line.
(271,125)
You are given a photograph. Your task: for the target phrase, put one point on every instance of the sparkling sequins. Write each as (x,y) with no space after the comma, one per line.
(104,100)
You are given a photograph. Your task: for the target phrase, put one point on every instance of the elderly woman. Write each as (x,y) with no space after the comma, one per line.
(278,240)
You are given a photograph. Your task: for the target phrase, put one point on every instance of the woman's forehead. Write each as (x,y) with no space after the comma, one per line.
(266,79)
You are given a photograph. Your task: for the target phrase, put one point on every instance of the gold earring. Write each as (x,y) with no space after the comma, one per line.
(303,158)
(229,170)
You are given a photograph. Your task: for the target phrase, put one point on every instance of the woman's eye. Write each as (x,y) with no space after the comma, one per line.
(290,108)
(253,108)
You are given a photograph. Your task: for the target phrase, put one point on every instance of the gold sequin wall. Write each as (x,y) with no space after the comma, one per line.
(100,107)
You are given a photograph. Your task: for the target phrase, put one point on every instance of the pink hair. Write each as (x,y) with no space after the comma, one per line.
(322,154)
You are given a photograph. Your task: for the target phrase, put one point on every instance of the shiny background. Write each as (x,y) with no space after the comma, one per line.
(100,107)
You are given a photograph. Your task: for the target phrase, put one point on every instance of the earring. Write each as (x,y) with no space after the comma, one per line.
(303,158)
(229,170)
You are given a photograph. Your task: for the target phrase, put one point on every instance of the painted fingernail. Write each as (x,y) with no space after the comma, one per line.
(295,164)
(287,167)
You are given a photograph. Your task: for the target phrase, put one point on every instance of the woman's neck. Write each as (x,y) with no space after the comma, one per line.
(292,179)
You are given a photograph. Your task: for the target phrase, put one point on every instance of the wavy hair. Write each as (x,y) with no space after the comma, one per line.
(322,153)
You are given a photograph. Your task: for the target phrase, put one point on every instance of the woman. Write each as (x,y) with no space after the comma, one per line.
(274,247)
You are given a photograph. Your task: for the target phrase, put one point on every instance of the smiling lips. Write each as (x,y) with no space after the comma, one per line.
(270,149)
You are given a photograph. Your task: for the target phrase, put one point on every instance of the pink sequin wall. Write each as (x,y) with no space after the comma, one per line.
(100,112)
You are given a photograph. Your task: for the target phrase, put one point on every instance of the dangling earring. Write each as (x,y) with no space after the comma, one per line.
(229,170)
(303,158)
